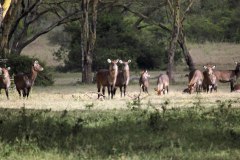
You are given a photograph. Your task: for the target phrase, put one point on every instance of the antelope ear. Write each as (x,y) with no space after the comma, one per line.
(120,61)
(205,67)
(117,60)
(213,67)
(109,60)
(36,62)
(236,62)
(8,68)
(129,61)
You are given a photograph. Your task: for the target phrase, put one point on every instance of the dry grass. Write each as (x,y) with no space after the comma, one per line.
(222,55)
(66,94)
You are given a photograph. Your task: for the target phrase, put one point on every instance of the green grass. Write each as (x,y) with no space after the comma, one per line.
(192,133)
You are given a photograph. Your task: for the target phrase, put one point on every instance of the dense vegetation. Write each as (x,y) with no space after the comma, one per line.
(193,133)
(118,38)
(214,21)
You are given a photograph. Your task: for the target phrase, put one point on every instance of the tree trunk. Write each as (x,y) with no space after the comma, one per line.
(88,38)
(187,56)
(7,26)
(173,42)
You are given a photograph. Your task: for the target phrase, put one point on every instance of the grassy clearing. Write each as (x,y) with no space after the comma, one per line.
(66,121)
(193,133)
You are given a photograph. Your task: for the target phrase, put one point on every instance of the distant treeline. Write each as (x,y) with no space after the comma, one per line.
(213,20)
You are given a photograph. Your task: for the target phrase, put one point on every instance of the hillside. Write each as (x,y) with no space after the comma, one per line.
(221,54)
(42,49)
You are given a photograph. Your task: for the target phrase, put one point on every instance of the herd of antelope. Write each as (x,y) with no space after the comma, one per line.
(23,81)
(198,81)
(112,78)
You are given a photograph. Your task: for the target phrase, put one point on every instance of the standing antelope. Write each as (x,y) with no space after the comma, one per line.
(162,84)
(5,81)
(195,79)
(123,77)
(143,81)
(25,81)
(231,76)
(107,78)
(209,80)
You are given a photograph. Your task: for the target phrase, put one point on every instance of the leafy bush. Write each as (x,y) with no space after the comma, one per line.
(23,64)
(116,39)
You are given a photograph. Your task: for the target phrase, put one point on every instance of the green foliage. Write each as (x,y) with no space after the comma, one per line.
(23,64)
(214,21)
(116,39)
(182,133)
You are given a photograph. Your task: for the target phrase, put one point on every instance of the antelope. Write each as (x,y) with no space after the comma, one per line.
(25,81)
(162,84)
(143,81)
(195,79)
(107,78)
(123,77)
(209,80)
(231,76)
(5,81)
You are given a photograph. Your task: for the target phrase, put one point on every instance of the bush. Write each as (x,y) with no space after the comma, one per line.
(23,64)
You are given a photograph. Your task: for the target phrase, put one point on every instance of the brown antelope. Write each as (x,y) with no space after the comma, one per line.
(25,81)
(236,88)
(195,79)
(107,78)
(123,77)
(231,76)
(143,81)
(5,81)
(209,79)
(162,84)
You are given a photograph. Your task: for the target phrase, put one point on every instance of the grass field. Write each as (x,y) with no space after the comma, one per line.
(67,121)
(68,94)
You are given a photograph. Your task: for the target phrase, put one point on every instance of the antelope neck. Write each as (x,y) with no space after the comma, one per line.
(33,74)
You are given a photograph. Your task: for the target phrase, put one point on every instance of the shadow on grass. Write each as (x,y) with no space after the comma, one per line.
(104,133)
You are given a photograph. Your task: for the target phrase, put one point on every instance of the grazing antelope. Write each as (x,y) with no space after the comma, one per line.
(162,84)
(231,76)
(123,77)
(25,81)
(143,81)
(195,79)
(5,81)
(209,80)
(107,78)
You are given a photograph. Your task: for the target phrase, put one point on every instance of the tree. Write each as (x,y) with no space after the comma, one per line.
(150,14)
(175,12)
(88,37)
(27,20)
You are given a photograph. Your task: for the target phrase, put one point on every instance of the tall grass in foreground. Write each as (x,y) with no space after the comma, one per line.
(190,133)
